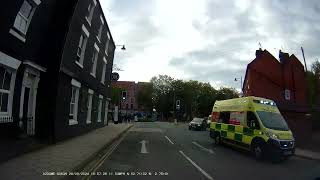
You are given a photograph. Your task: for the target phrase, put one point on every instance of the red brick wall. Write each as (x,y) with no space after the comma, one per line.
(300,124)
(267,77)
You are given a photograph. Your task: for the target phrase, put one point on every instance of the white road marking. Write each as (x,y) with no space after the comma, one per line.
(148,130)
(143,147)
(169,140)
(203,148)
(196,166)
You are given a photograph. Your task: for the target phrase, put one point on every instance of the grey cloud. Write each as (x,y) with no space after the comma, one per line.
(140,32)
(234,32)
(131,9)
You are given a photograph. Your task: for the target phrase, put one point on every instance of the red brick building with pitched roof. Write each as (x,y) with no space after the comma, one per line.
(284,82)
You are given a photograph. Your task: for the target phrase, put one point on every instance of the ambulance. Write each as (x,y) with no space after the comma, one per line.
(254,124)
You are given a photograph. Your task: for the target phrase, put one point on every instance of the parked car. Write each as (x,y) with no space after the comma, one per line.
(198,124)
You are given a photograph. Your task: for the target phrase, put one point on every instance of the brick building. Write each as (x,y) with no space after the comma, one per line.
(284,82)
(130,89)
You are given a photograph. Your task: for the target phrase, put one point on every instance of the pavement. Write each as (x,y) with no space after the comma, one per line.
(304,153)
(158,150)
(65,156)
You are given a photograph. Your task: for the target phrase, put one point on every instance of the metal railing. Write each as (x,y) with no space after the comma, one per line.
(6,119)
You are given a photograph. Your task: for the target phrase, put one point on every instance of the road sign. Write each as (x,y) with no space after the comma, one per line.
(115,76)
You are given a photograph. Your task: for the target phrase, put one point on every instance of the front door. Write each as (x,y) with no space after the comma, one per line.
(106,113)
(26,108)
(28,99)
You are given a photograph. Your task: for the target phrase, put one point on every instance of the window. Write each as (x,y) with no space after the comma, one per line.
(107,43)
(100,108)
(252,120)
(23,18)
(224,117)
(103,76)
(73,111)
(273,120)
(100,28)
(89,105)
(94,60)
(236,118)
(131,106)
(127,106)
(82,46)
(100,32)
(90,11)
(5,89)
(8,67)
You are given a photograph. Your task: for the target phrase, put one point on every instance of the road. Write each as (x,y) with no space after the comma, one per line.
(169,151)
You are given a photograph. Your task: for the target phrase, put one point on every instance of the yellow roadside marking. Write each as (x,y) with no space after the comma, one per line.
(104,157)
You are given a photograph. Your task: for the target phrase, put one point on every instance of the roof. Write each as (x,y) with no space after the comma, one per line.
(237,104)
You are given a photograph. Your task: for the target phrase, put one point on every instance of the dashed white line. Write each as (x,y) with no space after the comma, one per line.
(169,140)
(203,148)
(196,166)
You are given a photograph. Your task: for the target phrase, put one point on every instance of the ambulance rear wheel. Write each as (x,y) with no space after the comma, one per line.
(217,139)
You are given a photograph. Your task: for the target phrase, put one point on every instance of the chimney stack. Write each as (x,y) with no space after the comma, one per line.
(283,57)
(259,52)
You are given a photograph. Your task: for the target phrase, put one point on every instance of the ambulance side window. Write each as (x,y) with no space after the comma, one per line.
(224,117)
(252,120)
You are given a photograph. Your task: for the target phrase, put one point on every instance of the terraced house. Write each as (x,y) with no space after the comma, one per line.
(55,63)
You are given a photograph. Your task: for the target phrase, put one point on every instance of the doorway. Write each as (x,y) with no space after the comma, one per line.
(28,99)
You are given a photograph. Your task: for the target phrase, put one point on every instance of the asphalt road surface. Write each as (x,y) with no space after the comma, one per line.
(158,150)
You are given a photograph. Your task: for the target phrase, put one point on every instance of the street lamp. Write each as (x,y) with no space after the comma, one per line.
(123,47)
(237,79)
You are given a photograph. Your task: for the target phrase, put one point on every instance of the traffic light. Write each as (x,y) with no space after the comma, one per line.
(124,95)
(178,104)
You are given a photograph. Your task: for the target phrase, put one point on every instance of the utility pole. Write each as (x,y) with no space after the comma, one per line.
(305,64)
(237,79)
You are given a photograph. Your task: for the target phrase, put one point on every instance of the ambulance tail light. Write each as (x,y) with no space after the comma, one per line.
(214,116)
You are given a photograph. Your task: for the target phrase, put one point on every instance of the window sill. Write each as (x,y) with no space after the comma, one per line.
(79,64)
(89,22)
(98,39)
(99,121)
(72,122)
(17,35)
(106,53)
(88,122)
(93,75)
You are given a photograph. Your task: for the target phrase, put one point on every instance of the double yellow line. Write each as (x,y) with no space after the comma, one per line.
(95,167)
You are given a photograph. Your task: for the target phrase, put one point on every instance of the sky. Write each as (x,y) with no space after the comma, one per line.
(208,40)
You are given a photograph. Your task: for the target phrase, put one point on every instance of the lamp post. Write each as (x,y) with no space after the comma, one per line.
(123,47)
(237,79)
(119,102)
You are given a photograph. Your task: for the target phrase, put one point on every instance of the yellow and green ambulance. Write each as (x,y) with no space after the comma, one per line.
(254,124)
